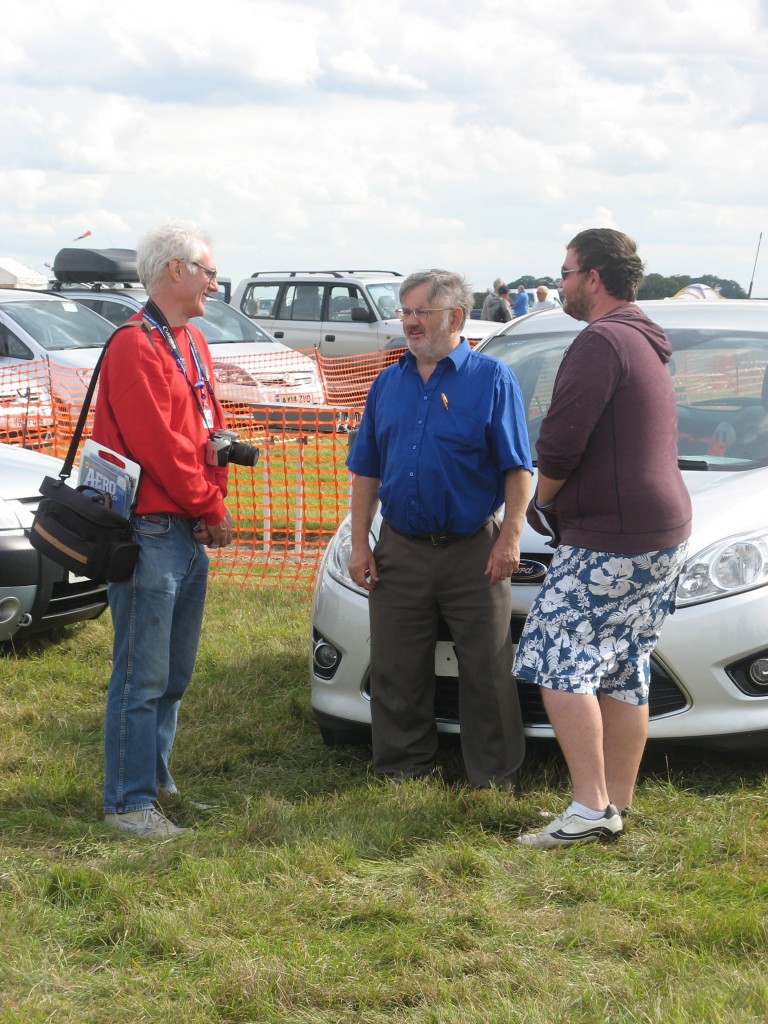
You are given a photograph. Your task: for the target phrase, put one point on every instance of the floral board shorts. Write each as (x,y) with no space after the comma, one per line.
(596,620)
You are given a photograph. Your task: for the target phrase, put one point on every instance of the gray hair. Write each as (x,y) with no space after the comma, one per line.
(444,284)
(176,240)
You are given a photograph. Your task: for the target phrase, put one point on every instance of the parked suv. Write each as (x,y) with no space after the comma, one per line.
(342,312)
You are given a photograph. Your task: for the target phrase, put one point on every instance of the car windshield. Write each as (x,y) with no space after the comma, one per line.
(387,298)
(222,324)
(59,323)
(721,385)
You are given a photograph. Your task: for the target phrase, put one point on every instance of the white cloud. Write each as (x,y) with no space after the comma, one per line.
(391,135)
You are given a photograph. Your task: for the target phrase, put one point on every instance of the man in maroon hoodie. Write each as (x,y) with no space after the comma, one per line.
(612,496)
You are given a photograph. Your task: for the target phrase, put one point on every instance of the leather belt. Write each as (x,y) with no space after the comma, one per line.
(440,540)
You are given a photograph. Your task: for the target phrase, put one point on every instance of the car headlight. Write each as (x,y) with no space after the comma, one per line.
(728,567)
(8,518)
(339,551)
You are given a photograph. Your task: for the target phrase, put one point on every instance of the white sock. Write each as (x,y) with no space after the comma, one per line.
(585,812)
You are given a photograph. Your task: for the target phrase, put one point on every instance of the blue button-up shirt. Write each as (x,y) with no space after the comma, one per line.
(442,449)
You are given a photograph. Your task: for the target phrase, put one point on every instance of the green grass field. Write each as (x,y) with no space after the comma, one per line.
(314,893)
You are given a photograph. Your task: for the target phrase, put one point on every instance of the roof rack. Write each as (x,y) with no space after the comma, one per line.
(333,273)
(87,266)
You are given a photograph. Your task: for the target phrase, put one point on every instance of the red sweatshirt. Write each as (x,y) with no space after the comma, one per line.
(146,411)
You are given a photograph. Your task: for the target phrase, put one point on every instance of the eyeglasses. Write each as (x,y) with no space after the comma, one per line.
(212,274)
(573,270)
(421,314)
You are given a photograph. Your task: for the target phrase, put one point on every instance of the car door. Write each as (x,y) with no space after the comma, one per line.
(297,319)
(350,326)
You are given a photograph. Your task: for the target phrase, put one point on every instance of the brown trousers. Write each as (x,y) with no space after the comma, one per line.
(417,583)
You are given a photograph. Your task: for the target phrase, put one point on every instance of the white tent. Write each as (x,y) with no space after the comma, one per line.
(697,291)
(16,275)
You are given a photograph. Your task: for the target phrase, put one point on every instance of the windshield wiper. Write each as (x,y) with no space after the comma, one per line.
(692,464)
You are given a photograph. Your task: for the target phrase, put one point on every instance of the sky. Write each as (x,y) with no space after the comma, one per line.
(390,135)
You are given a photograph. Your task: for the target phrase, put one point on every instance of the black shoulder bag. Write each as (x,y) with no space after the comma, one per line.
(74,526)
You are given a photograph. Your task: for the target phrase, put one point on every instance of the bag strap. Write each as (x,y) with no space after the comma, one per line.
(69,461)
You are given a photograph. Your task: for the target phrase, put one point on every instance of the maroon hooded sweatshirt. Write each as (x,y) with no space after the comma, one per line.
(611,434)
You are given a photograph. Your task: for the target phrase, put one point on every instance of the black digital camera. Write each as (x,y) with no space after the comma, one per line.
(223,447)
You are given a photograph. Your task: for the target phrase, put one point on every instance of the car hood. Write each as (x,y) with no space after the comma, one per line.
(75,357)
(237,350)
(725,504)
(22,471)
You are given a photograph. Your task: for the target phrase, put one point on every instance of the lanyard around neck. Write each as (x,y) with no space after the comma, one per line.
(154,316)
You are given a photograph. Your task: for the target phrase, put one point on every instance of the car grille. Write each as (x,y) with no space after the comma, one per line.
(665,697)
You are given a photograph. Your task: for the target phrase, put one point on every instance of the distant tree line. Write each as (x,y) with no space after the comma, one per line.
(654,286)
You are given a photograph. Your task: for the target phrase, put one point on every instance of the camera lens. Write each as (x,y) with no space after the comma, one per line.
(243,454)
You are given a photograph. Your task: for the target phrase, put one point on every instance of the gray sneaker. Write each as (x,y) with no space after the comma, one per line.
(148,822)
(567,828)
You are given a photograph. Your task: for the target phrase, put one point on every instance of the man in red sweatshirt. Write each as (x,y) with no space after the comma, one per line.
(156,405)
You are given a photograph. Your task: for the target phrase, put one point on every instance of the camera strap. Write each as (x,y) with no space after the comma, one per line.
(202,388)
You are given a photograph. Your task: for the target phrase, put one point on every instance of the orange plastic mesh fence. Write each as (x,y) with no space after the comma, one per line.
(288,506)
(298,408)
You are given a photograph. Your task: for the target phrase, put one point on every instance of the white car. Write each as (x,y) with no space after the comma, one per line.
(710,667)
(250,367)
(53,341)
(35,593)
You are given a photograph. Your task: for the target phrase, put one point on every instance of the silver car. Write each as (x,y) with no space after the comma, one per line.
(710,667)
(35,594)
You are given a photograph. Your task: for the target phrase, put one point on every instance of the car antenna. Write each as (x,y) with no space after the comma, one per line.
(749,293)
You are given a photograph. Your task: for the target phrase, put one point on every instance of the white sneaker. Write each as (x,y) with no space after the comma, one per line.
(146,822)
(567,828)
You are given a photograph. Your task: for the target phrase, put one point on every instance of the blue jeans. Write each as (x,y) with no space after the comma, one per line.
(157,616)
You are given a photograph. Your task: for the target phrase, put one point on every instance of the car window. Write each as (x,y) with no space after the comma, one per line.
(342,299)
(59,323)
(114,310)
(721,386)
(11,346)
(260,300)
(301,302)
(222,324)
(387,298)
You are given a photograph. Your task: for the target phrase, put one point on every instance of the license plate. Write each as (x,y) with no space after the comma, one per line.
(298,399)
(73,578)
(446,663)
(445,659)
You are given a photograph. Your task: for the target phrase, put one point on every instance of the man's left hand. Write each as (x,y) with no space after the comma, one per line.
(216,535)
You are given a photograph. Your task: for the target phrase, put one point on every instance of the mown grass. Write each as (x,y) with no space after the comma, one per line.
(315,893)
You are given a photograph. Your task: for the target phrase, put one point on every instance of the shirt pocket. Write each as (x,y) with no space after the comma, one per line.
(462,429)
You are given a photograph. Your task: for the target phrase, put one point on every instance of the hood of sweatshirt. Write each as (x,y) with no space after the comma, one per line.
(634,317)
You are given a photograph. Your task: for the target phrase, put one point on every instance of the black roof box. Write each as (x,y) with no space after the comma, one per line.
(86,266)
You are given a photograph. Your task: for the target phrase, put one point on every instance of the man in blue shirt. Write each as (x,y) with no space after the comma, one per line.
(443,445)
(520,307)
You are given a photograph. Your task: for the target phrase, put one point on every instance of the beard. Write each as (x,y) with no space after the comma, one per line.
(577,306)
